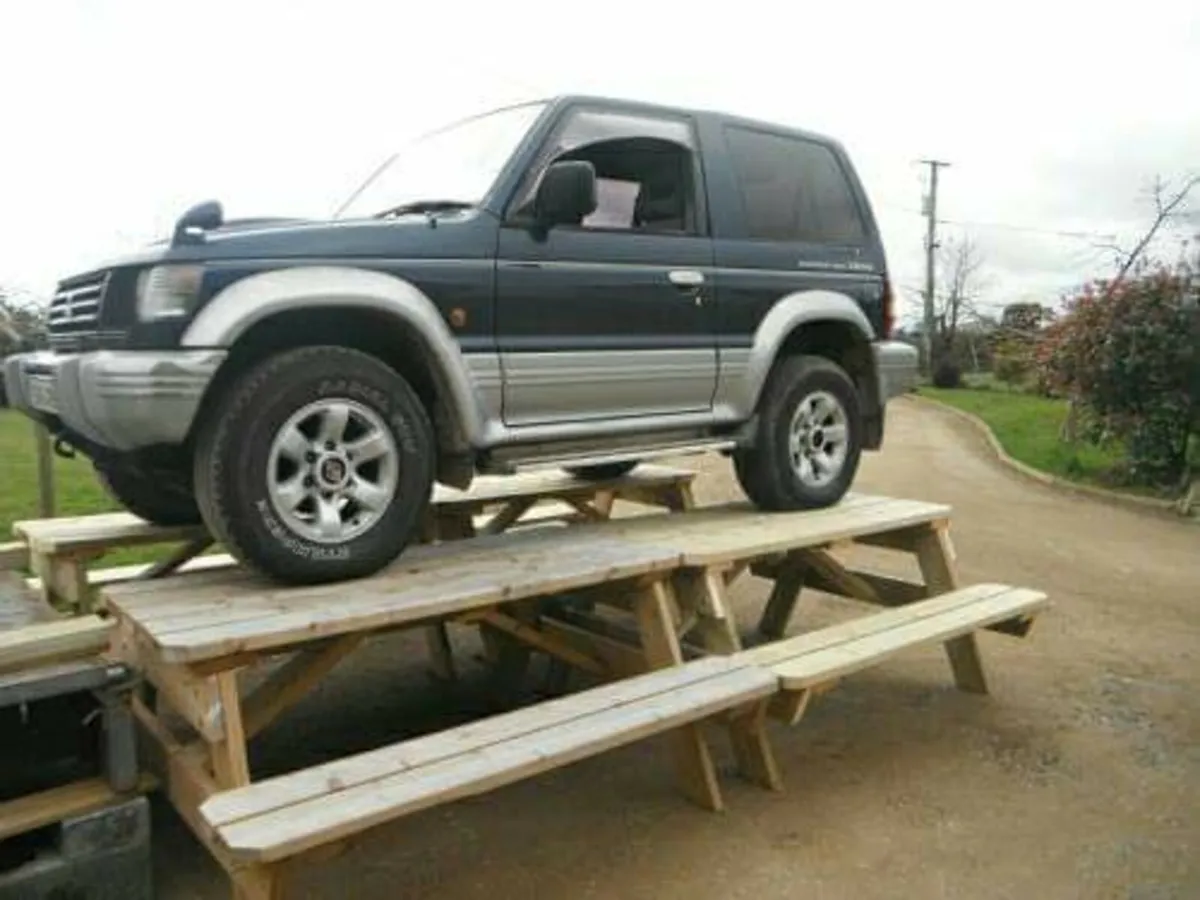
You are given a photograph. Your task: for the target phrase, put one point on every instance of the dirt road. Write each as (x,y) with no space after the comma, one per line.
(1079,777)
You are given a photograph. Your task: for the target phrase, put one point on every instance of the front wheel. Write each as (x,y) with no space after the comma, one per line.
(808,439)
(316,466)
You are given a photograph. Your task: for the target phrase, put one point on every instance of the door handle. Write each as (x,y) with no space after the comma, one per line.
(686,278)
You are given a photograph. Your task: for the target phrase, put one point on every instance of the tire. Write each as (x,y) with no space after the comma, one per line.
(159,499)
(604,471)
(263,486)
(767,471)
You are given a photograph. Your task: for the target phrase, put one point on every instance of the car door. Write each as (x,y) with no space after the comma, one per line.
(611,318)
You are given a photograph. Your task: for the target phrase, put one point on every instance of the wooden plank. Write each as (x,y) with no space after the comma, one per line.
(286,831)
(695,771)
(258,883)
(186,784)
(216,620)
(159,599)
(54,804)
(230,764)
(19,605)
(859,652)
(45,642)
(935,556)
(273,793)
(884,589)
(735,532)
(785,593)
(441,654)
(751,748)
(192,697)
(890,591)
(486,490)
(902,539)
(14,555)
(117,574)
(98,533)
(703,593)
(508,514)
(847,582)
(872,623)
(620,659)
(291,681)
(540,641)
(105,531)
(64,581)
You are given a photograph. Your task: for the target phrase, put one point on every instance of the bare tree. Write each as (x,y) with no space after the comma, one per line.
(961,263)
(1169,205)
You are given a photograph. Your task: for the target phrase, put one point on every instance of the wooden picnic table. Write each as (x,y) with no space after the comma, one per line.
(61,551)
(666,577)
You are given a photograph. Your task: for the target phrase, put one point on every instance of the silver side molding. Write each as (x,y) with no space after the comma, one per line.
(548,459)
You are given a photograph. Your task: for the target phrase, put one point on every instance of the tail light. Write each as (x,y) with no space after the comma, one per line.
(888,304)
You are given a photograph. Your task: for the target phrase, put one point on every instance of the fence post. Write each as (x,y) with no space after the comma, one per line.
(45,460)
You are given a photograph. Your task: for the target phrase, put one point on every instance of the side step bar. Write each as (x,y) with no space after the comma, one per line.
(654,451)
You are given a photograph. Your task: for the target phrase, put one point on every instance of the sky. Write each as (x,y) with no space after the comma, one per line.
(1055,116)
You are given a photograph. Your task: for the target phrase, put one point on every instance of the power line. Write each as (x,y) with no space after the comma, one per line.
(1008,226)
(1032,229)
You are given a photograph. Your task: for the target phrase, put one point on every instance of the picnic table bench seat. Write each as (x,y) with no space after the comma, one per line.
(282,817)
(816,659)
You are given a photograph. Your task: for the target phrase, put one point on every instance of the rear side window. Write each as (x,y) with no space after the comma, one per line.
(793,190)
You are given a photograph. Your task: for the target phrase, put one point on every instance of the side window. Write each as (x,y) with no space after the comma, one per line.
(646,170)
(793,189)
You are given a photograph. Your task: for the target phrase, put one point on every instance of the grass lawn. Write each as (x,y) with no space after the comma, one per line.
(77,492)
(1027,427)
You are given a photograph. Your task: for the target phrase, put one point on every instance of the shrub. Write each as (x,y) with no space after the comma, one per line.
(1128,354)
(947,375)
(1012,361)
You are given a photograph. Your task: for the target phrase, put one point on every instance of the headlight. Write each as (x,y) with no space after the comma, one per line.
(168,291)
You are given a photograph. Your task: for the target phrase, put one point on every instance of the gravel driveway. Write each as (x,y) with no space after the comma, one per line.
(1079,777)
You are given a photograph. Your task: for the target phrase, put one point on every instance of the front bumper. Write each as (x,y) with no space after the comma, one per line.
(896,365)
(122,400)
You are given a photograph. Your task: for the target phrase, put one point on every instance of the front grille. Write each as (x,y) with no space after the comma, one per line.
(75,309)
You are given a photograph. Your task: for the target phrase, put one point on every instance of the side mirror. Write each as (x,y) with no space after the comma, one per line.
(566,194)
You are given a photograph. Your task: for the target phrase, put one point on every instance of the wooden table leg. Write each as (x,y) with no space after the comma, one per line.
(694,765)
(230,765)
(257,883)
(441,655)
(64,580)
(752,749)
(935,556)
(785,593)
(702,593)
(443,525)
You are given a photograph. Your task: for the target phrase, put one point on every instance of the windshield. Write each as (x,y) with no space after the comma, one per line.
(454,164)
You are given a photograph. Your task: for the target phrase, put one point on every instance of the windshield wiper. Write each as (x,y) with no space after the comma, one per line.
(424,206)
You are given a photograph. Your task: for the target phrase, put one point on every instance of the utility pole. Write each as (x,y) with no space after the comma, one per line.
(930,210)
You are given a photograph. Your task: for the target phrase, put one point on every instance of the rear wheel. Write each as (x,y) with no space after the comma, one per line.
(160,498)
(808,439)
(316,466)
(603,471)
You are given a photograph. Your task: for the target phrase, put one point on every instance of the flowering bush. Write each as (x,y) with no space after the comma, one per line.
(1129,355)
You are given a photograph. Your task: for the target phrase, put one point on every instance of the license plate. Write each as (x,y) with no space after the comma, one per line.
(43,394)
